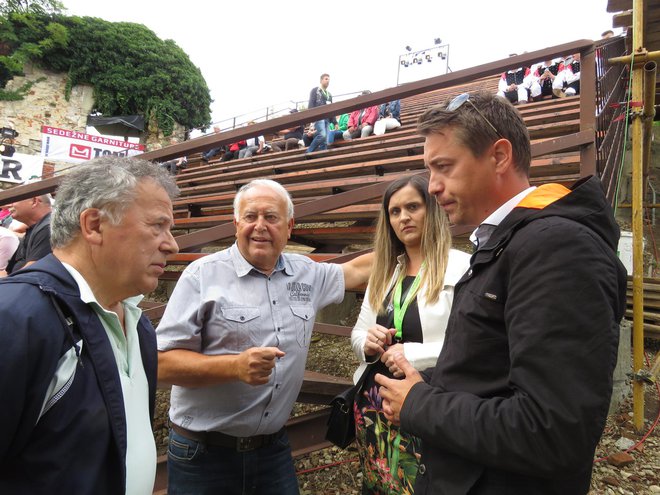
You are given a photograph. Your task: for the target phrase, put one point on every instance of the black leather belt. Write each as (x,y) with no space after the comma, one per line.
(239,444)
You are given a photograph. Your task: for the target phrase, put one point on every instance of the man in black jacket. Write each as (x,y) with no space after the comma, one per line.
(35,213)
(518,398)
(318,97)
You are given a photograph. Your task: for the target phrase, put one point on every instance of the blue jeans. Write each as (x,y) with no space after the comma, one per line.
(211,153)
(336,134)
(320,141)
(194,468)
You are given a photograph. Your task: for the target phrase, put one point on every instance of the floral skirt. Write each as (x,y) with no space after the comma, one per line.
(389,457)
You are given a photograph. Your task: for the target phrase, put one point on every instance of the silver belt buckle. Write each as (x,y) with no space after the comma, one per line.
(245,444)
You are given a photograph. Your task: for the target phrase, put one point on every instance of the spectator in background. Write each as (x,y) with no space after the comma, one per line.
(310,133)
(546,75)
(8,245)
(568,79)
(174,166)
(207,155)
(177,164)
(291,137)
(233,151)
(337,130)
(35,213)
(318,97)
(514,84)
(5,217)
(389,117)
(253,146)
(361,122)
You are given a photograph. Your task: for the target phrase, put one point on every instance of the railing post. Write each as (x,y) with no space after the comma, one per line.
(588,164)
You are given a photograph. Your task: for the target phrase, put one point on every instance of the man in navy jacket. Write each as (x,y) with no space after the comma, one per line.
(78,370)
(518,398)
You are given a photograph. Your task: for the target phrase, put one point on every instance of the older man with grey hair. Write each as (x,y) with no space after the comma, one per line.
(233,342)
(79,359)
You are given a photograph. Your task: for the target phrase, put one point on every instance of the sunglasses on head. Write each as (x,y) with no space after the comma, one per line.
(458,102)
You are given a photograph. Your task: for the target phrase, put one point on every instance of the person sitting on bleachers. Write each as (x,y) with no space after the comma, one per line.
(174,166)
(515,83)
(337,130)
(254,145)
(569,77)
(233,151)
(546,74)
(361,122)
(291,137)
(310,133)
(389,117)
(207,155)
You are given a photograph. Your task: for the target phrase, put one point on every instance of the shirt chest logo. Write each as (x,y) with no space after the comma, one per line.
(299,291)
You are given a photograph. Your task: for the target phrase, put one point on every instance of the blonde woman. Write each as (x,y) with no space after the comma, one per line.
(405,309)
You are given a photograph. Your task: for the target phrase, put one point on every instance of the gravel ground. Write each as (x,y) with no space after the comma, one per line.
(335,471)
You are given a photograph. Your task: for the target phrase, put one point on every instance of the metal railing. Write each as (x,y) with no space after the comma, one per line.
(270,112)
(611,122)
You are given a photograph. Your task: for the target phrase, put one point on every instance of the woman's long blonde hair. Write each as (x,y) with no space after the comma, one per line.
(435,245)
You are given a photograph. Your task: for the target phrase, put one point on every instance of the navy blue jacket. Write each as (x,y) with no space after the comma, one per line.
(79,445)
(518,398)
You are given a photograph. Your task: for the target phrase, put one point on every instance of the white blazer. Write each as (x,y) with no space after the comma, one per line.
(433,318)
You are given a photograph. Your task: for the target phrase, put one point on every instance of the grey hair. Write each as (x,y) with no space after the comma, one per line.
(108,183)
(275,186)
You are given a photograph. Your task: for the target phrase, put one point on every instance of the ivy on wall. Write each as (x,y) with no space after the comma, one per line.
(133,72)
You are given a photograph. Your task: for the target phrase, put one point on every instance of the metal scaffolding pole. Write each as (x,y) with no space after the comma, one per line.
(638,215)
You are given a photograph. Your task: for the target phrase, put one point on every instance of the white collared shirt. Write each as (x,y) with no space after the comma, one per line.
(501,213)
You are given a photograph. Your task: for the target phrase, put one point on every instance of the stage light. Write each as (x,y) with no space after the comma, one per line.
(437,41)
(408,48)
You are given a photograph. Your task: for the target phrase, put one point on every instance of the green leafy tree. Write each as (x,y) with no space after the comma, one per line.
(131,69)
(31,6)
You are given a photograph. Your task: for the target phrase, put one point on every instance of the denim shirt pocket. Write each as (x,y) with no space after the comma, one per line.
(303,323)
(241,321)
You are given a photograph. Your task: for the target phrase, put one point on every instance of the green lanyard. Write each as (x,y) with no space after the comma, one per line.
(400,311)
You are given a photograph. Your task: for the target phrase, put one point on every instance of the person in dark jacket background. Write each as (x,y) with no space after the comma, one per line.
(519,396)
(78,370)
(318,97)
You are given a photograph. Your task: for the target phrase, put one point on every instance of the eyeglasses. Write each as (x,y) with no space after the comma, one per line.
(457,102)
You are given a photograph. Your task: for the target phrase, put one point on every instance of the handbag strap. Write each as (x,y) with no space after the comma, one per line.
(361,380)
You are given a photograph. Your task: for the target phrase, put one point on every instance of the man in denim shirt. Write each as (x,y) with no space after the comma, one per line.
(233,342)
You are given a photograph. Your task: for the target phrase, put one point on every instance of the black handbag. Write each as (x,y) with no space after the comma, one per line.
(341,423)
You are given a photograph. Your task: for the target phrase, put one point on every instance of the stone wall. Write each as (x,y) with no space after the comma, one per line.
(44,105)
